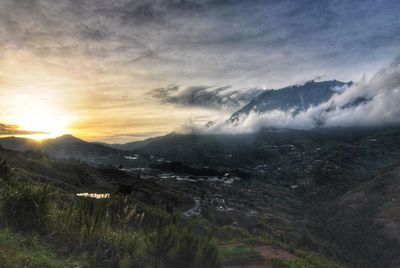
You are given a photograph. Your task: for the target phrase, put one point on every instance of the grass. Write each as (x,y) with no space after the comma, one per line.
(18,250)
(25,206)
(239,254)
(305,260)
(236,235)
(237,250)
(114,232)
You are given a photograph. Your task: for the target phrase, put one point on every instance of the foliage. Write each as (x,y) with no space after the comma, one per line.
(25,206)
(306,260)
(233,255)
(20,251)
(112,232)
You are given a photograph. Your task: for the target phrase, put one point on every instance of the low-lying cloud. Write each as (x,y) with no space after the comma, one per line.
(6,130)
(374,102)
(218,98)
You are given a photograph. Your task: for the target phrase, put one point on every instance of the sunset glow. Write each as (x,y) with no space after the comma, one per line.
(37,116)
(119,71)
(51,124)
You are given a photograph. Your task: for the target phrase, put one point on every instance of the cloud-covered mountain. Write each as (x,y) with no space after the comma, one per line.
(292,99)
(373,102)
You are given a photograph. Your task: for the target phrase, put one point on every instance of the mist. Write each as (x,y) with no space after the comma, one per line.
(370,102)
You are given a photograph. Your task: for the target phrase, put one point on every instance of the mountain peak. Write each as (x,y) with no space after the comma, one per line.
(293,98)
(68,138)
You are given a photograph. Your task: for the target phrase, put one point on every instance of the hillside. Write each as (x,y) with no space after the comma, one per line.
(294,185)
(70,147)
(279,196)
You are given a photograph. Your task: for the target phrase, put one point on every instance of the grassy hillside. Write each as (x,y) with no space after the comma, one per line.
(364,222)
(64,230)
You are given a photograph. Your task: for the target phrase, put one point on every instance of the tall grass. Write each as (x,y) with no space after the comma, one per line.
(113,232)
(25,207)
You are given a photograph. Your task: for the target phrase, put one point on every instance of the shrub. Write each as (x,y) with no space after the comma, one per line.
(109,232)
(5,170)
(25,206)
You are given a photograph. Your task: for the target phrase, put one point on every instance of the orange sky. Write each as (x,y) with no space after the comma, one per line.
(40,96)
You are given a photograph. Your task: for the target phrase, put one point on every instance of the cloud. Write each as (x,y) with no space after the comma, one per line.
(71,46)
(218,98)
(15,130)
(366,103)
(265,43)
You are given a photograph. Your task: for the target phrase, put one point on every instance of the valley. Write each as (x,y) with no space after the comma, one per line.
(286,191)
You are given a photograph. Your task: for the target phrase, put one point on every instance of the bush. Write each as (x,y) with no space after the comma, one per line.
(28,251)
(114,233)
(108,232)
(306,260)
(5,170)
(25,206)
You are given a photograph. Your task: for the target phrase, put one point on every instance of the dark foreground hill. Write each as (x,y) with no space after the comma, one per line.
(44,223)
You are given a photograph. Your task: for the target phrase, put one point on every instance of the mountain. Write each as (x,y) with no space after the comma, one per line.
(70,147)
(241,149)
(292,99)
(66,146)
(130,146)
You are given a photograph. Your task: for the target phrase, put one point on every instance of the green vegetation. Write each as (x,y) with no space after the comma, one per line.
(240,254)
(237,250)
(114,232)
(18,250)
(306,260)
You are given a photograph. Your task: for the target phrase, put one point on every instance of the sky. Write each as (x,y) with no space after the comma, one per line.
(125,70)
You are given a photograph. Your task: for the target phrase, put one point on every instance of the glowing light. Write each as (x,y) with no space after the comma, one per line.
(94,195)
(39,115)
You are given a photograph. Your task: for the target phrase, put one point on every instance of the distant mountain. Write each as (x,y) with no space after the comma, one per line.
(70,147)
(294,98)
(130,146)
(66,146)
(216,149)
(241,149)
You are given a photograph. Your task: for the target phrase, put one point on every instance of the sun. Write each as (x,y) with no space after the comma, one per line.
(38,114)
(48,124)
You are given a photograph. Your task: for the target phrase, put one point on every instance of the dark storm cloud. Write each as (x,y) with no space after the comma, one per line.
(15,130)
(220,98)
(242,43)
